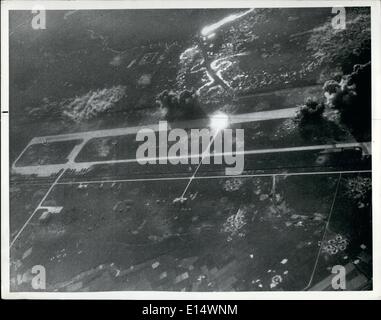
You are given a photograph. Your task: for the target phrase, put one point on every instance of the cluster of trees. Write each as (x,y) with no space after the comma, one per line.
(182,105)
(342,48)
(358,191)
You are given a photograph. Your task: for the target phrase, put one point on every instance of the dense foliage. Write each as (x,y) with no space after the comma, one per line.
(342,47)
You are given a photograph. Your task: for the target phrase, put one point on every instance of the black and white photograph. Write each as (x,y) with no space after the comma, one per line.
(189,148)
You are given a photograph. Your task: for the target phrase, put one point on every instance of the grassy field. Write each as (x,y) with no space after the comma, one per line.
(251,229)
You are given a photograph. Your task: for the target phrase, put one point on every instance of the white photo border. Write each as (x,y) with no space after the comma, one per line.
(375,5)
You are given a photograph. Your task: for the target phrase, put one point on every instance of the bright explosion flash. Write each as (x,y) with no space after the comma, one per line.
(219,121)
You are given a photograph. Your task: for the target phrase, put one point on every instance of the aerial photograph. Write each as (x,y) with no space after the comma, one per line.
(190,150)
